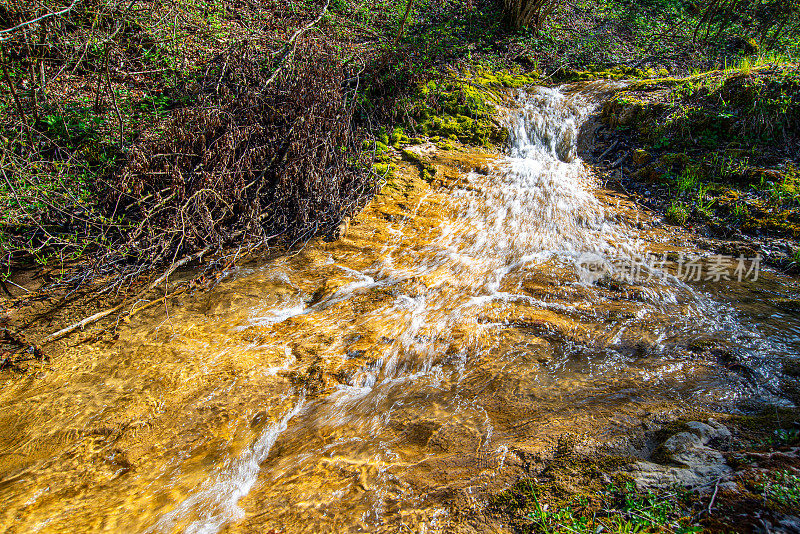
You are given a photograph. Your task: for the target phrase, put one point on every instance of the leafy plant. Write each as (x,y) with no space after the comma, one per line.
(782,487)
(688,180)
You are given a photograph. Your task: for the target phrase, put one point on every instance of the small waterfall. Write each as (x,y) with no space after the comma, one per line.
(543,194)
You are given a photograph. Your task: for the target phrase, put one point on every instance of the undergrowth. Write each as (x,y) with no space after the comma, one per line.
(144,130)
(616,508)
(725,143)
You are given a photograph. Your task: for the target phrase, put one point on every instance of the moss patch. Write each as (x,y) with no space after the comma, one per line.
(465,108)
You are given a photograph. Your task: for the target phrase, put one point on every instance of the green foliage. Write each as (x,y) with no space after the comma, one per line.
(73,126)
(724,143)
(464,109)
(623,509)
(688,180)
(703,203)
(677,214)
(740,212)
(782,487)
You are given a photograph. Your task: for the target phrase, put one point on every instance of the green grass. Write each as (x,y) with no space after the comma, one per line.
(723,143)
(614,509)
(677,214)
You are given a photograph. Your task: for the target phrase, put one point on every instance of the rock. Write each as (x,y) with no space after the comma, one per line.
(792,368)
(339,231)
(565,147)
(647,173)
(687,459)
(682,442)
(748,45)
(420,431)
(641,157)
(417,155)
(454,437)
(790,387)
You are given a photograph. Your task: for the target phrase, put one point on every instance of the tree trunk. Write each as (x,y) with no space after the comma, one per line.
(405,19)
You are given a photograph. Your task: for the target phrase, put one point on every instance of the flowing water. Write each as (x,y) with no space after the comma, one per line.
(397,375)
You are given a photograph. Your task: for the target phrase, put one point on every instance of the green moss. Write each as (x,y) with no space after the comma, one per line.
(383,137)
(398,137)
(503,78)
(445,145)
(411,156)
(425,166)
(465,109)
(386,170)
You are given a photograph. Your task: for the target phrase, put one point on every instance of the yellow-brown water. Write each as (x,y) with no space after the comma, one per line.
(391,379)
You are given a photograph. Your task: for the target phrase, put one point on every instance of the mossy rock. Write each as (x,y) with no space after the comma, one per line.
(384,169)
(675,161)
(465,110)
(398,137)
(641,157)
(410,155)
(445,145)
(413,157)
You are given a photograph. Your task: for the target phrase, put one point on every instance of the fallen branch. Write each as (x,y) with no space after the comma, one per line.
(287,49)
(177,265)
(714,497)
(3,33)
(83,323)
(619,161)
(609,149)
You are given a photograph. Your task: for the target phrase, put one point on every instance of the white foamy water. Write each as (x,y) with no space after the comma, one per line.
(214,504)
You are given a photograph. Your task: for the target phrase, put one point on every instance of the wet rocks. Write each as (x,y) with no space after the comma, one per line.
(641,157)
(453,437)
(688,458)
(420,431)
(790,381)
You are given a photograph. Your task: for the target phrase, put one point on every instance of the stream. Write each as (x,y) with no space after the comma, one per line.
(395,378)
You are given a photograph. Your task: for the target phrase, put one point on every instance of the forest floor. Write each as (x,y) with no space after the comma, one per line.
(112,111)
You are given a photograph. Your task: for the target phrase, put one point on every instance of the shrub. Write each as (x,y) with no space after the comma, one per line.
(268,159)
